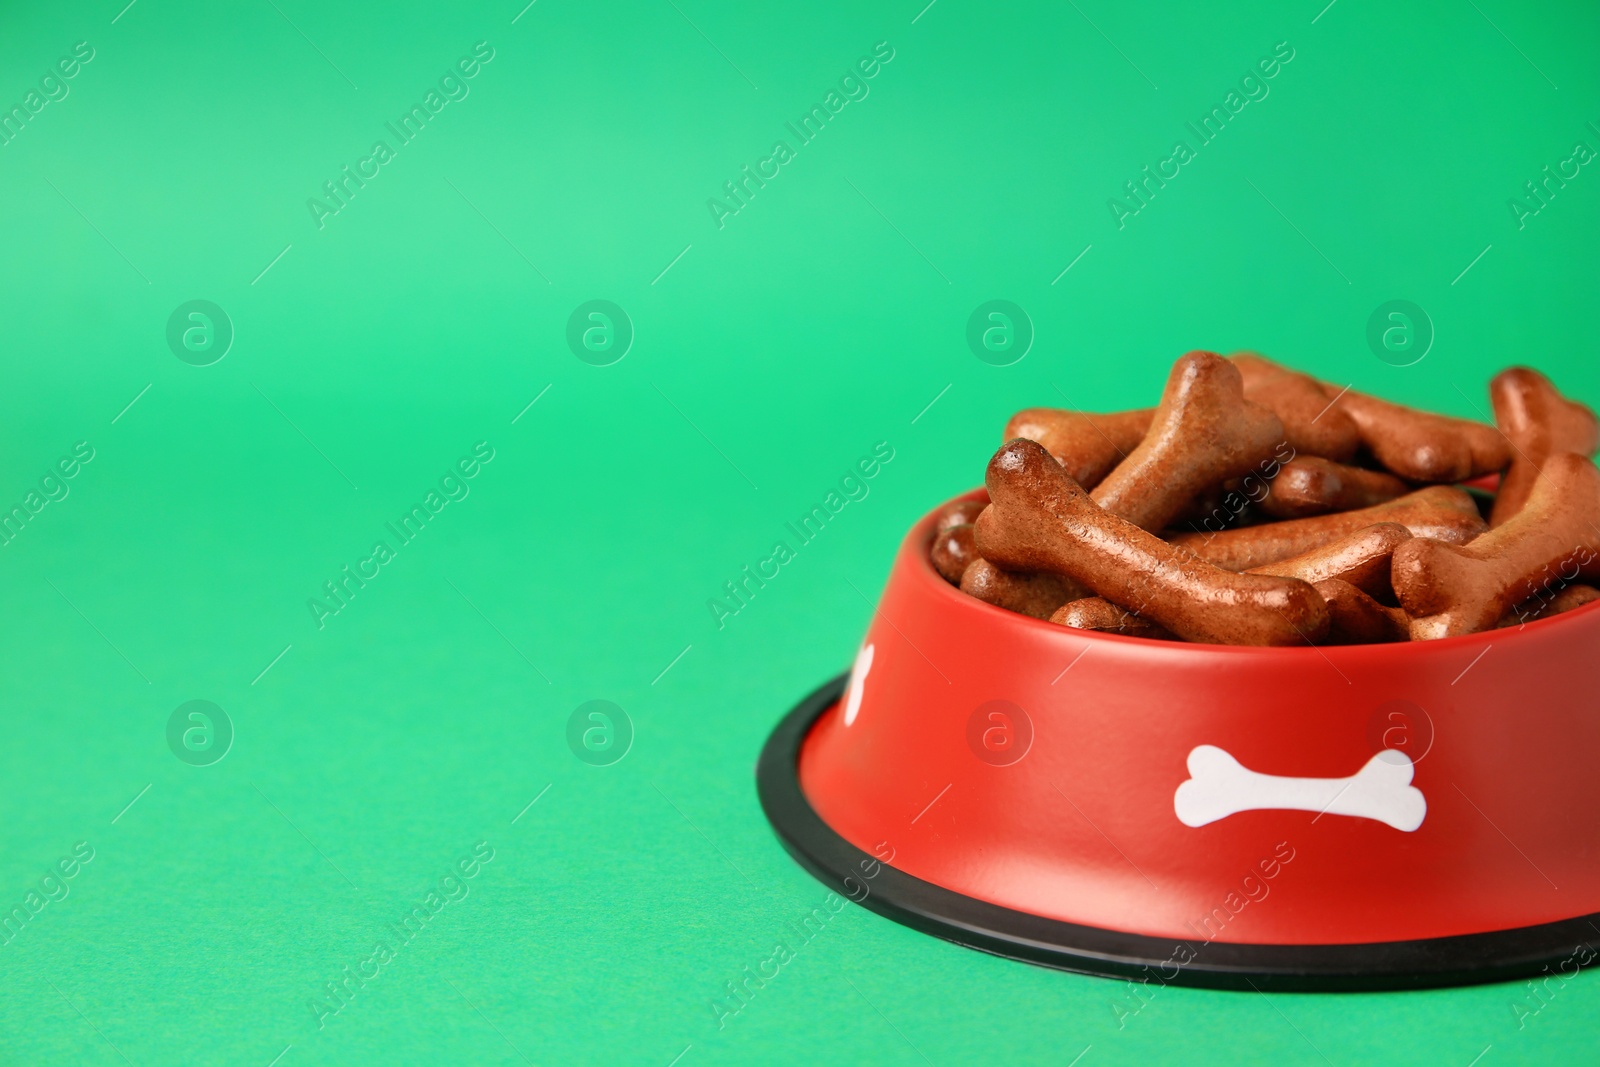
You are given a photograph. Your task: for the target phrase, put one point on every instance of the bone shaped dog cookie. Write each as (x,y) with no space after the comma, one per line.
(1461,589)
(1097,613)
(1310,425)
(1539,422)
(1219,786)
(1086,443)
(1204,433)
(1420,445)
(1354,618)
(953,551)
(961,513)
(1311,485)
(1442,512)
(1542,605)
(1360,558)
(1036,593)
(1038,519)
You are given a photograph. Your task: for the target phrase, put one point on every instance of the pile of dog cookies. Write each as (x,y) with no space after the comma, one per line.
(1257,505)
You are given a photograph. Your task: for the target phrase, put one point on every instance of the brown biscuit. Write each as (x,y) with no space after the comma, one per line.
(1204,433)
(1419,445)
(1360,559)
(1442,512)
(952,551)
(1461,589)
(1539,422)
(1101,615)
(961,513)
(1029,593)
(1357,619)
(1311,485)
(1086,443)
(1542,607)
(1040,520)
(1310,425)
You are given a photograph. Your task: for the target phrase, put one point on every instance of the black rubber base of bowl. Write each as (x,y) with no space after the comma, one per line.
(1562,947)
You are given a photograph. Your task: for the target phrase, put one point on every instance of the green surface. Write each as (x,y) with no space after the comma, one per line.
(822,318)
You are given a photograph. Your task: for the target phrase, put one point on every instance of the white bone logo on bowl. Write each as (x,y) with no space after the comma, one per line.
(1219,786)
(858,682)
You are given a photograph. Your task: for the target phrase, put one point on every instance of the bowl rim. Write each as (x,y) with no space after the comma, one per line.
(921,536)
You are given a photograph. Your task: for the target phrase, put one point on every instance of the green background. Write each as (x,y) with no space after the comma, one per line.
(821,319)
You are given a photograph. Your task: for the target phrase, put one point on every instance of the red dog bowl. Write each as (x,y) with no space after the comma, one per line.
(1355,817)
